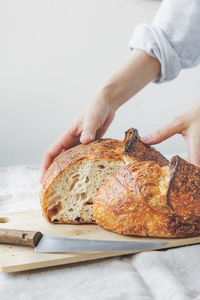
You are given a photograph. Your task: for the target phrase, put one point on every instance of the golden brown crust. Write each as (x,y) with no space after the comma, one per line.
(131,203)
(183,194)
(142,152)
(111,149)
(122,205)
(108,149)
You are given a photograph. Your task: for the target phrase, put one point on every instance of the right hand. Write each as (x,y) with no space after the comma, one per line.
(91,124)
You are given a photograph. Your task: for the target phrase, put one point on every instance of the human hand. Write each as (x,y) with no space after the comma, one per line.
(91,124)
(99,113)
(188,125)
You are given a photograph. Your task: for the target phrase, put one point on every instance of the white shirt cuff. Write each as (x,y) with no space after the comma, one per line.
(153,41)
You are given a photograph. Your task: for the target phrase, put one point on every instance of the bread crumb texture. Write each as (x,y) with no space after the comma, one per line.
(123,186)
(73,179)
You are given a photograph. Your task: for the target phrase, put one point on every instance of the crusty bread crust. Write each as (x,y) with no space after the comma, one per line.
(140,151)
(109,150)
(148,200)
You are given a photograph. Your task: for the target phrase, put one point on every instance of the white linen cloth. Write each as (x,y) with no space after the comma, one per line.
(157,275)
(173,37)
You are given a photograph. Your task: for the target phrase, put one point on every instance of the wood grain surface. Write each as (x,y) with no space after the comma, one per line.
(19,258)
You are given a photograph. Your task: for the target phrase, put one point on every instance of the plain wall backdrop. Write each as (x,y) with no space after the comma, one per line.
(55,54)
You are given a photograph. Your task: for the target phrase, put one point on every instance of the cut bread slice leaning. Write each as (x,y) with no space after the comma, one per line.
(150,200)
(73,179)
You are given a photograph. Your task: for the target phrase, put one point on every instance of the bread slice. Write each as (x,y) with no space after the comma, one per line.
(71,182)
(146,199)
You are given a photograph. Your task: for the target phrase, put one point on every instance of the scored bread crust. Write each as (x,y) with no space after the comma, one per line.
(140,151)
(129,150)
(147,200)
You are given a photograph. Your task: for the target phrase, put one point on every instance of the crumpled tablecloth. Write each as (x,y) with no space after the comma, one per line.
(169,274)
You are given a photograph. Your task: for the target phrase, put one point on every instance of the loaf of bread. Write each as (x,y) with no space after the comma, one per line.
(73,179)
(147,199)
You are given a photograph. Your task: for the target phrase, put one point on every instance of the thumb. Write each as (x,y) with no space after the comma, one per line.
(89,131)
(173,127)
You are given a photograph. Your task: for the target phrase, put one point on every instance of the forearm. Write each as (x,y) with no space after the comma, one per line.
(93,122)
(133,75)
(173,37)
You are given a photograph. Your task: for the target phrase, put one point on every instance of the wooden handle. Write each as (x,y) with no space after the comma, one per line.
(19,237)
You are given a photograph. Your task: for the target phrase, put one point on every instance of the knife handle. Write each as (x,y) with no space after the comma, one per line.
(19,237)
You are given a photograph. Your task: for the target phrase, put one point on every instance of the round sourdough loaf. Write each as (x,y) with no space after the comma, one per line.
(146,199)
(71,182)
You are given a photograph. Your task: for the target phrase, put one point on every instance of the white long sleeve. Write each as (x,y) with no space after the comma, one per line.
(173,37)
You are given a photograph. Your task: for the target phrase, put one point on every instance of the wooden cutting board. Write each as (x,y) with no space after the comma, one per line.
(18,258)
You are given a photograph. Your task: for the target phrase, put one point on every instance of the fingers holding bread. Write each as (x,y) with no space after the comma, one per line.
(124,186)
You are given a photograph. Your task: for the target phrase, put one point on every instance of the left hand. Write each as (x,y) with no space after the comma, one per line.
(188,125)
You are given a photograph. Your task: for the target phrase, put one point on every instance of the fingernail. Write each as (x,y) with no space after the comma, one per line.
(86,136)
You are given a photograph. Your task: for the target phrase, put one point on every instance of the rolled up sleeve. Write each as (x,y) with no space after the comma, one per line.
(173,37)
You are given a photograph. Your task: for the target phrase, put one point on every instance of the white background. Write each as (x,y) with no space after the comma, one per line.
(53,56)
